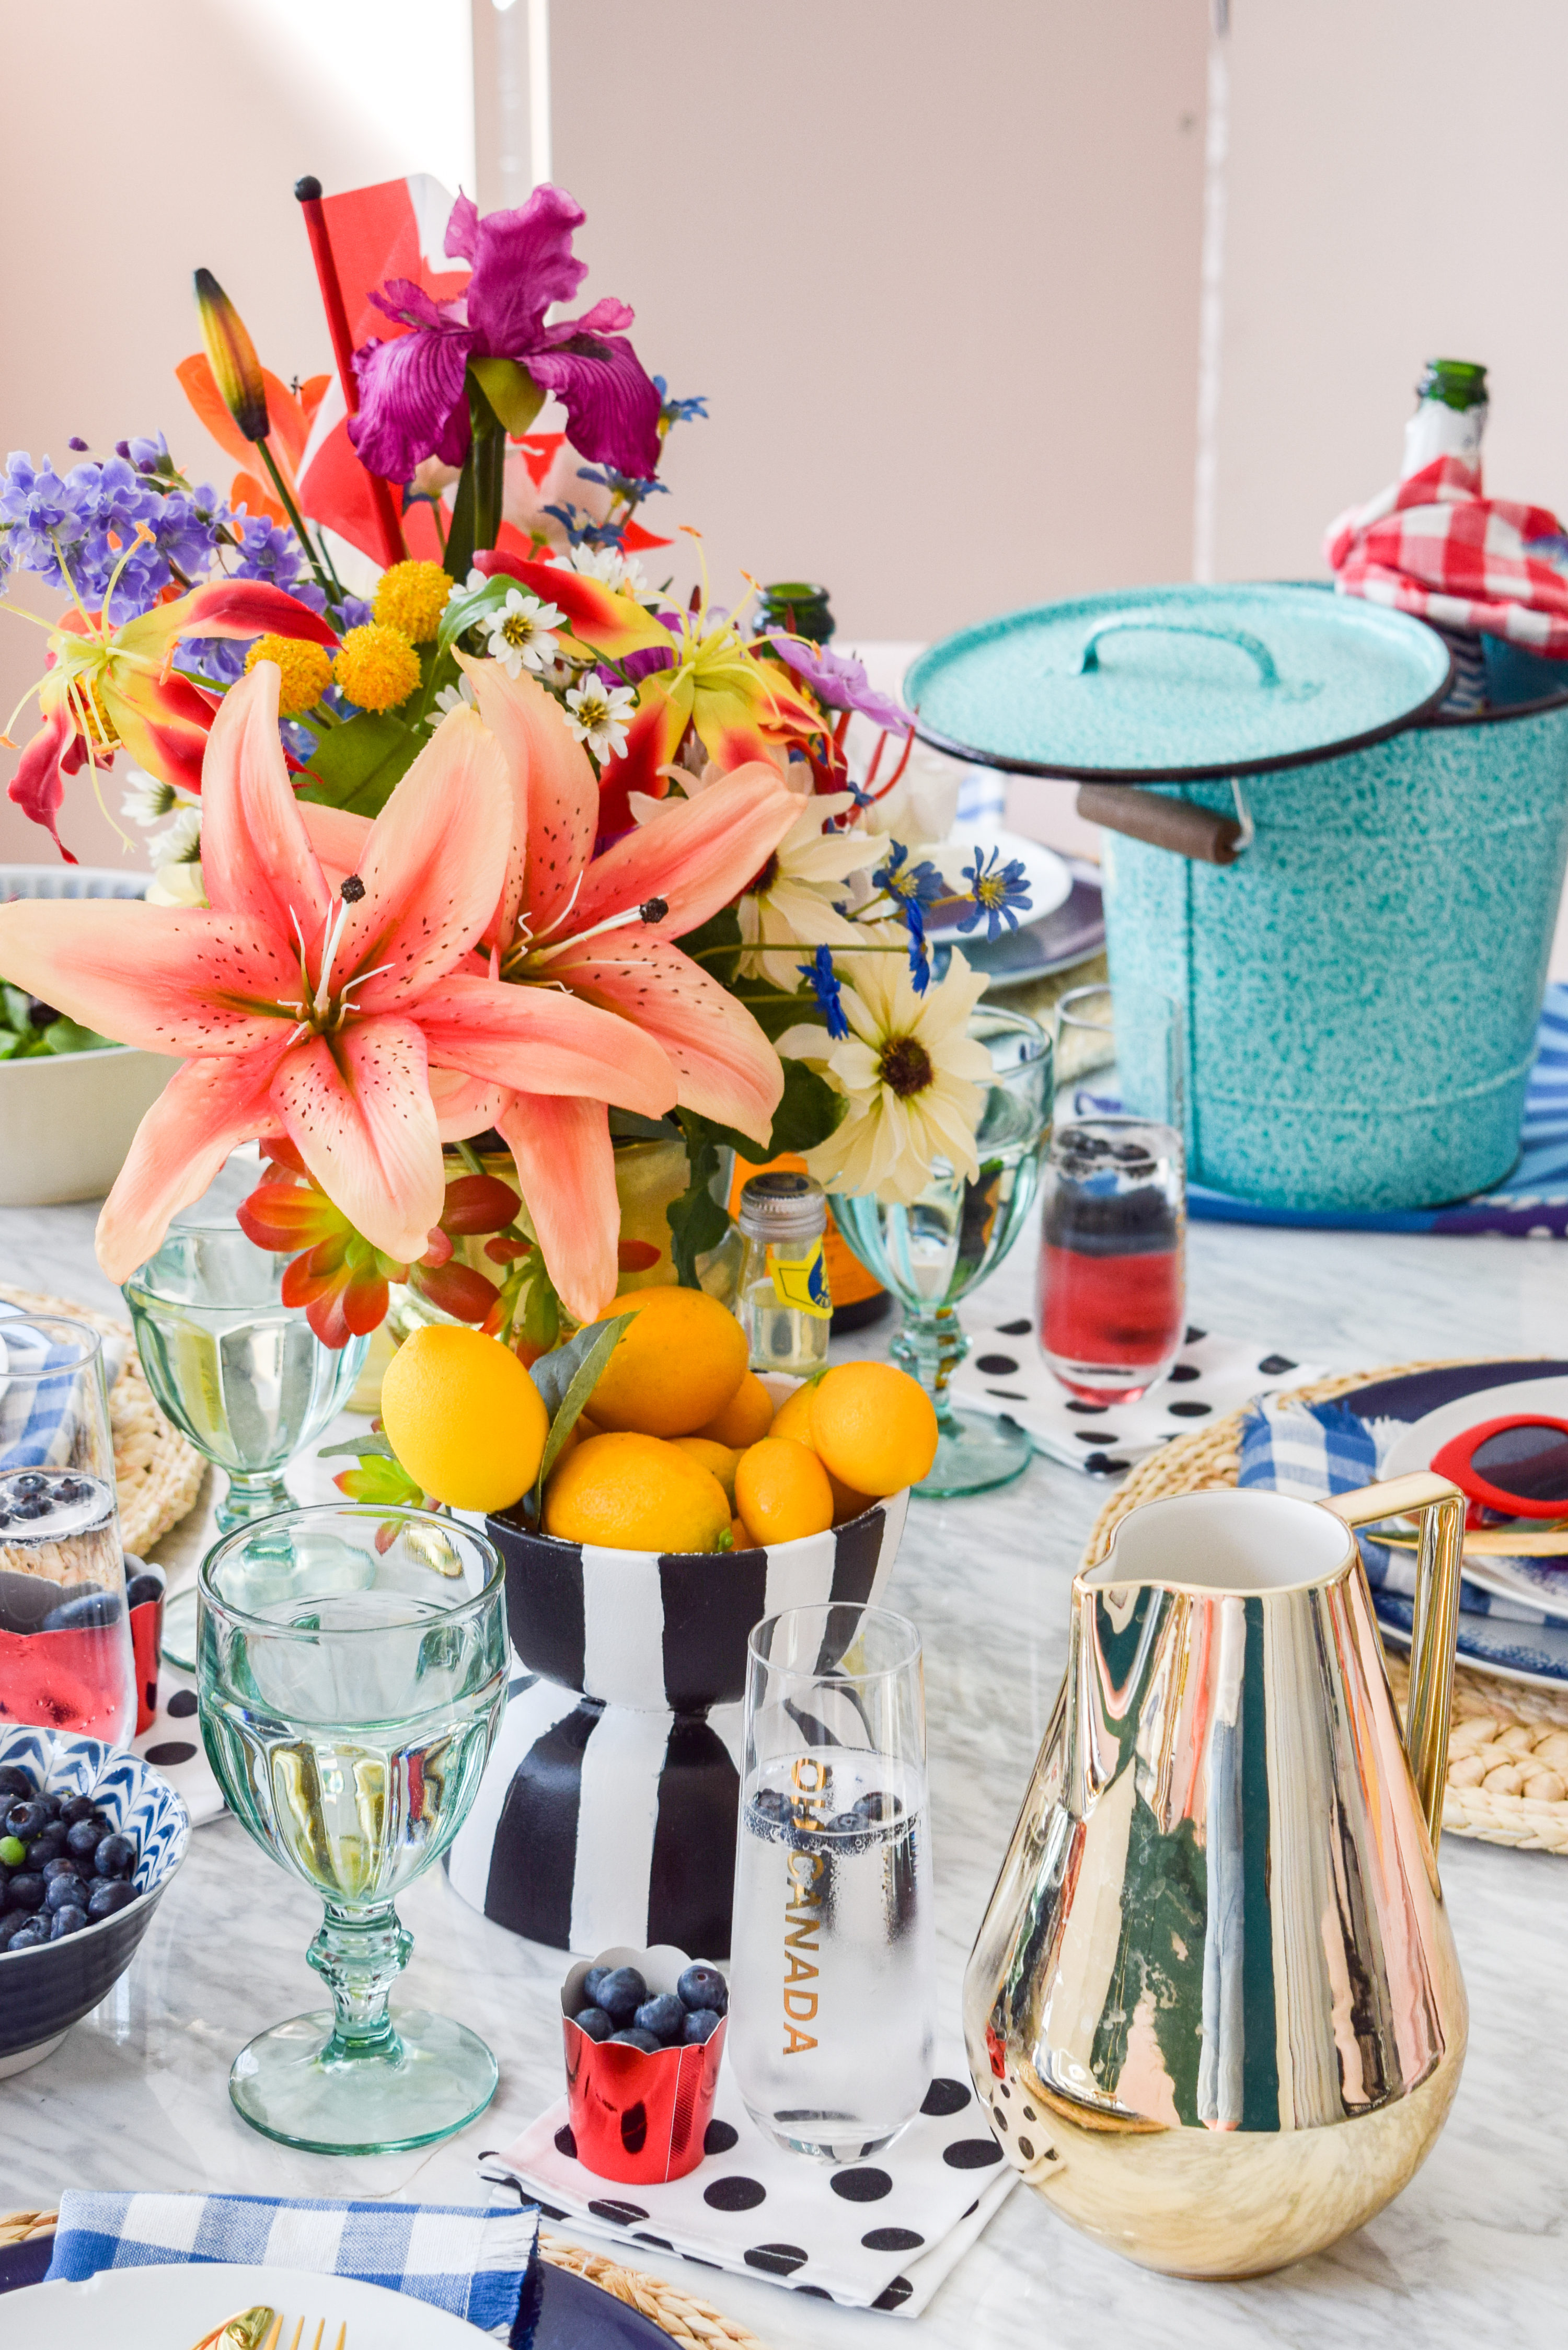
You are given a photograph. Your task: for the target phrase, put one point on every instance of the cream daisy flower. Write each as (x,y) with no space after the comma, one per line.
(520,633)
(912,1076)
(790,910)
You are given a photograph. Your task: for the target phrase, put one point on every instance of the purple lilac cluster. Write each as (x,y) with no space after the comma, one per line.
(261,550)
(74,529)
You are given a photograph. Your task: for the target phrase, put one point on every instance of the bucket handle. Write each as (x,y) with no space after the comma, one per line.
(1089,660)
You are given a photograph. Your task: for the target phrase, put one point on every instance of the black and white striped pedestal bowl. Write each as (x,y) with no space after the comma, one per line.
(608,1808)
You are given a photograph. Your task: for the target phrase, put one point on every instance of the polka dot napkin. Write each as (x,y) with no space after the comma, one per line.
(171,1743)
(876,2234)
(1004,1372)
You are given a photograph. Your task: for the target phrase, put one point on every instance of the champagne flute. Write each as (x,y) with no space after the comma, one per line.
(347,1717)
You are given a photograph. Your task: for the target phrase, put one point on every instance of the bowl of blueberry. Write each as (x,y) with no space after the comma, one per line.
(89,1837)
(645,2037)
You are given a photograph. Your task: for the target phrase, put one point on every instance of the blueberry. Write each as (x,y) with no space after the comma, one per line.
(70,1920)
(65,1893)
(70,1488)
(92,1611)
(35,1508)
(701,2025)
(47,1846)
(13,1851)
(594,2023)
(848,1823)
(116,1855)
(773,1804)
(27,1819)
(11,1924)
(620,1993)
(880,1805)
(28,1485)
(61,1866)
(140,1588)
(53,1804)
(704,1987)
(592,1982)
(110,1894)
(25,1891)
(663,2016)
(29,1936)
(15,1783)
(83,1838)
(631,2037)
(75,1808)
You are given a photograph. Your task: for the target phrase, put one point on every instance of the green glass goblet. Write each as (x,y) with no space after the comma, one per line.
(935,1251)
(348,1720)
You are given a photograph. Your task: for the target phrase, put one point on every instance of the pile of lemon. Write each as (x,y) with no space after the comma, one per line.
(679,1447)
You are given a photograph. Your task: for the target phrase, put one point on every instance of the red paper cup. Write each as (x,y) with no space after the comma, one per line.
(638,2118)
(146,1642)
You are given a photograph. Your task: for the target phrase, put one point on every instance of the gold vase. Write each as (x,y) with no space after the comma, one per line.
(1215,2009)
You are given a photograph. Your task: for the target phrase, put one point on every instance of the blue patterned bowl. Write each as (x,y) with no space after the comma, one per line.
(43,1992)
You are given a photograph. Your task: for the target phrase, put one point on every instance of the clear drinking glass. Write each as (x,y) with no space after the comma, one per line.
(240,1373)
(347,1715)
(832,1954)
(65,1660)
(1112,1292)
(933,1252)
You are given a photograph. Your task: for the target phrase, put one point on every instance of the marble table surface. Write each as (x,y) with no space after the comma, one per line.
(1476,2249)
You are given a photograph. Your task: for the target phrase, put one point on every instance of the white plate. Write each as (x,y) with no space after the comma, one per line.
(171,2308)
(1050,882)
(1538,1582)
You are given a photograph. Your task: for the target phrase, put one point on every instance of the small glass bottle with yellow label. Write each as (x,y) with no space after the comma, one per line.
(783,1304)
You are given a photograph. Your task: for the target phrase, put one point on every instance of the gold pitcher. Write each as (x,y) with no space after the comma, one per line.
(1214,2010)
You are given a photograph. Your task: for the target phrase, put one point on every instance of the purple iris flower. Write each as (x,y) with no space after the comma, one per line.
(840,681)
(413,401)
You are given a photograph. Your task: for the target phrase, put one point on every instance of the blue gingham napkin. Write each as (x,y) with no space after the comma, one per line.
(34,1420)
(473,2263)
(1310,1450)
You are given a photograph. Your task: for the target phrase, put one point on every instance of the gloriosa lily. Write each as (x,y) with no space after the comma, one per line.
(740,707)
(332,1017)
(601,933)
(106,690)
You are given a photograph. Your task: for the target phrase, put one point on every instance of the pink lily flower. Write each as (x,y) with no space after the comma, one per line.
(329,1016)
(600,931)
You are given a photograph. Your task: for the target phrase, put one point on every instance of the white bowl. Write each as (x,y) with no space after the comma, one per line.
(66,1120)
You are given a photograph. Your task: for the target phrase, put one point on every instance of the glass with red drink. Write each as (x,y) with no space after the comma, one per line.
(1112,1304)
(66,1658)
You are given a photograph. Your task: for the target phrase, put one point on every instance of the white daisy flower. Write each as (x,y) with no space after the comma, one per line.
(520,634)
(623,573)
(794,902)
(913,1075)
(180,842)
(460,696)
(177,885)
(598,716)
(147,800)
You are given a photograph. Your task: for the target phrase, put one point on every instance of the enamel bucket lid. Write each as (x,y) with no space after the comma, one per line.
(1176,684)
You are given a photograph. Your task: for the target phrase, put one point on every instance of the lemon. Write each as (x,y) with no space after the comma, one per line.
(719,1460)
(872,1426)
(678,1365)
(746,1419)
(630,1492)
(463,1417)
(782,1491)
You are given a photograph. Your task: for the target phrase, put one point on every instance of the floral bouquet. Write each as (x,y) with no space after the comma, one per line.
(490,846)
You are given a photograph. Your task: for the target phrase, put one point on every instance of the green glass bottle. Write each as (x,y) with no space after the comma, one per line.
(1449,419)
(798,607)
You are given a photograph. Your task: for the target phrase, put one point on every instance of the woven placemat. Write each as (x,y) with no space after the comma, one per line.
(1508,1743)
(157,1473)
(694,2324)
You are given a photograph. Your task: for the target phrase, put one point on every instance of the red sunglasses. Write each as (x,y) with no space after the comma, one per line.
(1517,1466)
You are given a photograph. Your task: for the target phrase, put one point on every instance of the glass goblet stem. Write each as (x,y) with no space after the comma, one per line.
(251,1496)
(930,1345)
(359,1955)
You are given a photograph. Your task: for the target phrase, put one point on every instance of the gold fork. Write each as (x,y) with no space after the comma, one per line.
(299,2333)
(262,2329)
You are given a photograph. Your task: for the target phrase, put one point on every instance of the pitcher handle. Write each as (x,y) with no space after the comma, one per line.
(1441,1508)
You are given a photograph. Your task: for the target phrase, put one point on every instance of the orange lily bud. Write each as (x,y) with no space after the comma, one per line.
(234,358)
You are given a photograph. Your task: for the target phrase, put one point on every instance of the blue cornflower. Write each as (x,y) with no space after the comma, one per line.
(630,486)
(827,989)
(678,411)
(996,897)
(917,885)
(582,530)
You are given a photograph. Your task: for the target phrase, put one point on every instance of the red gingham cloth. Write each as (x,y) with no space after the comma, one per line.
(1435,546)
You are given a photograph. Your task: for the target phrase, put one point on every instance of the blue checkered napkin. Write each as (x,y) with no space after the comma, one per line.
(35,1418)
(472,2263)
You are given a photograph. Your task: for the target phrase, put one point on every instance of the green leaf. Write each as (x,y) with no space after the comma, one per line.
(696,1222)
(511,391)
(604,1338)
(630,1126)
(10,1044)
(463,610)
(362,1448)
(18,1004)
(63,1036)
(771,1012)
(553,1373)
(807,1113)
(384,1483)
(541,1305)
(355,766)
(722,930)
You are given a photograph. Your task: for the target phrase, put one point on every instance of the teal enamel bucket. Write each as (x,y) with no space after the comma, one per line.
(1361,988)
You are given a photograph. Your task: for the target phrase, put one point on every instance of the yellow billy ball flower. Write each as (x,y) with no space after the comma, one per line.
(412,597)
(306,671)
(377,667)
